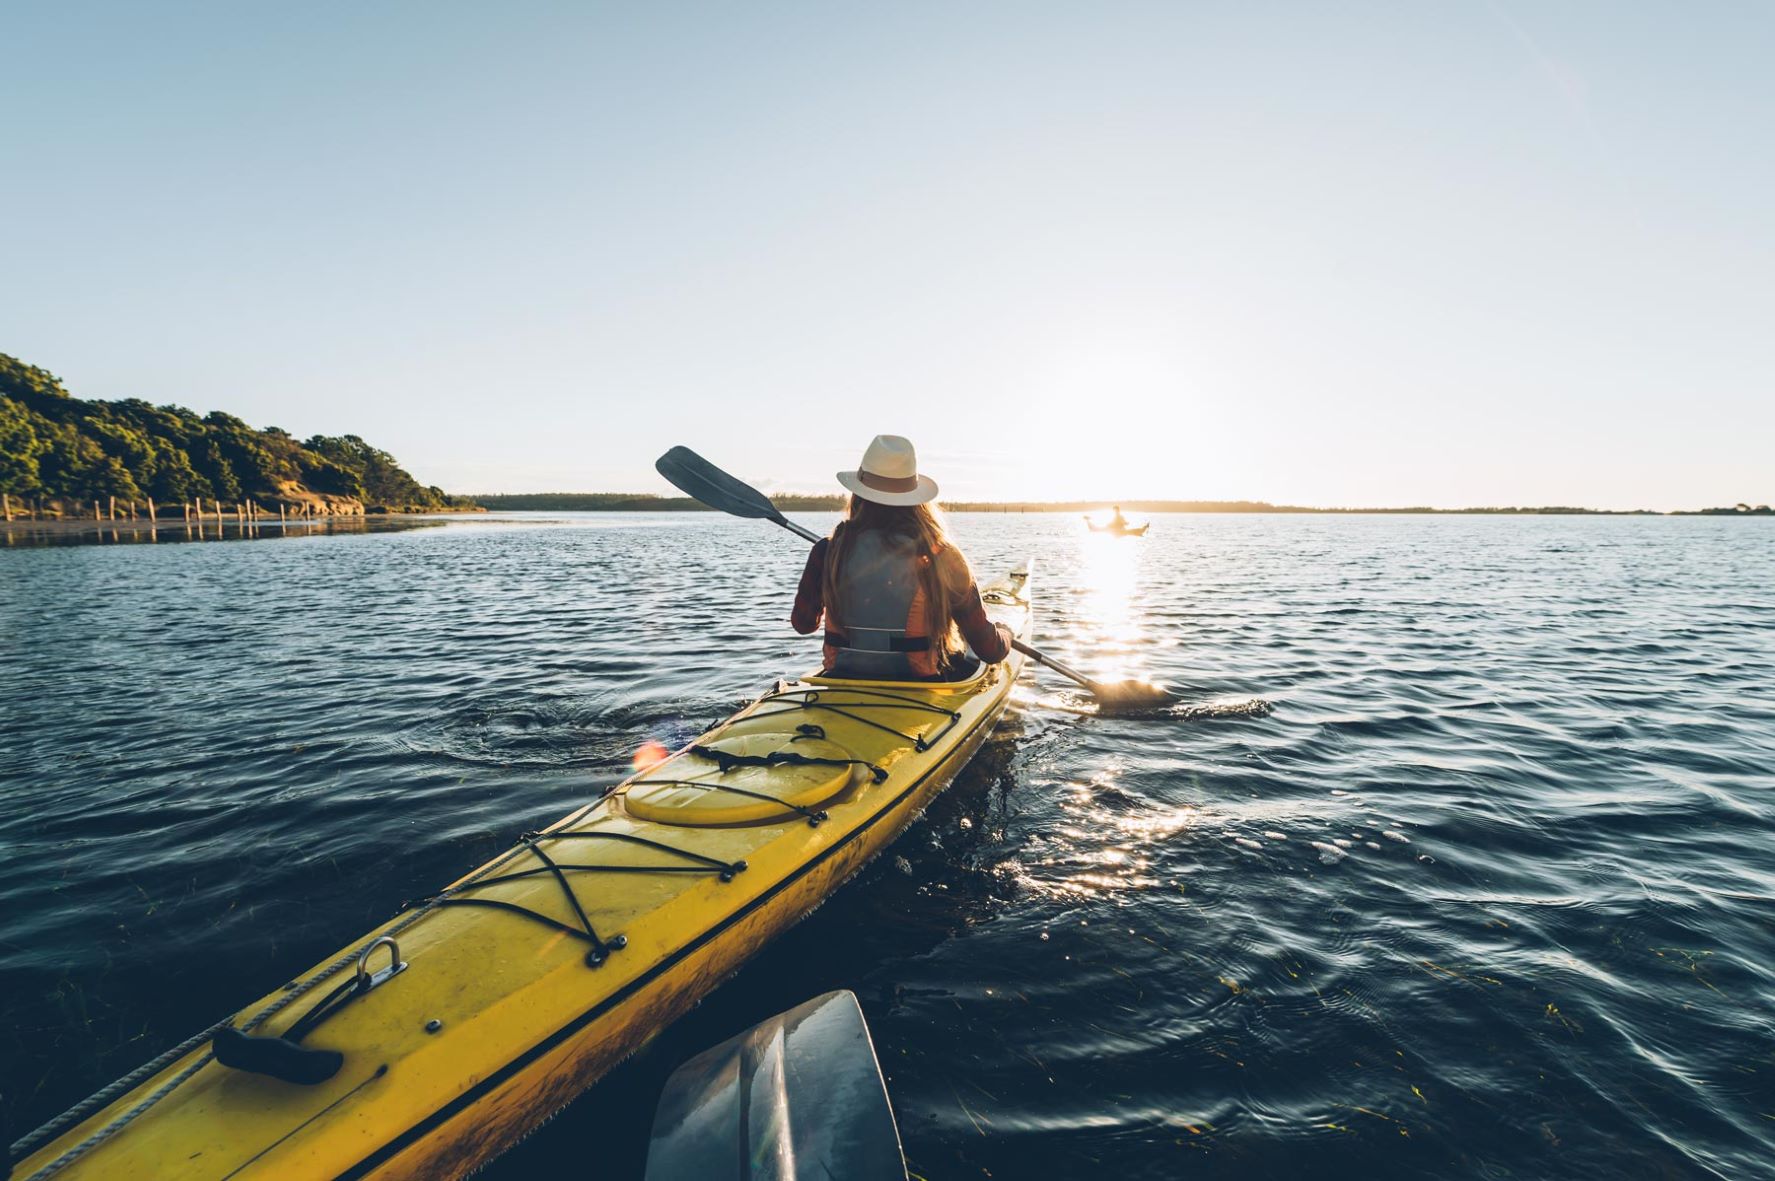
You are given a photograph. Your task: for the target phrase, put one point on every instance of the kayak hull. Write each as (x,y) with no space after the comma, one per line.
(480,1130)
(528,979)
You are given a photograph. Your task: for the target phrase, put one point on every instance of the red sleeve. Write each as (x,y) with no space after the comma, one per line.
(991,642)
(808,596)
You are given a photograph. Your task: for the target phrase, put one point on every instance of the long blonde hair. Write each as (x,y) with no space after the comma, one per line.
(923,524)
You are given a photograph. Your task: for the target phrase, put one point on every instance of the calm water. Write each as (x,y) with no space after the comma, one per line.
(1490,894)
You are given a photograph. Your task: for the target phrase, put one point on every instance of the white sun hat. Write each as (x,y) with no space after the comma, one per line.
(889,474)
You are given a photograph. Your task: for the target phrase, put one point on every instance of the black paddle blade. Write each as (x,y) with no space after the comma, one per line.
(698,478)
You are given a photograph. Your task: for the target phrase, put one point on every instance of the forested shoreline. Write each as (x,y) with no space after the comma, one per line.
(61,454)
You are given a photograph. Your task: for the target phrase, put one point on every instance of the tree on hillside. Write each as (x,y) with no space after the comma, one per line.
(29,385)
(175,479)
(383,480)
(326,475)
(19,449)
(129,446)
(252,465)
(216,471)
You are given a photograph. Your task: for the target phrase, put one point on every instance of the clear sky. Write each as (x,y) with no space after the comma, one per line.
(1440,253)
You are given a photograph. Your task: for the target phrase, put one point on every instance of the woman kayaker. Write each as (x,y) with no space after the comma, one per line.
(898,598)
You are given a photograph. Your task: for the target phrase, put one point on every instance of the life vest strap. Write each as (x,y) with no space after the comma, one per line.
(883,642)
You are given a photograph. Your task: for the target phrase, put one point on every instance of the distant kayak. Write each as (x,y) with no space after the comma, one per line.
(1123,530)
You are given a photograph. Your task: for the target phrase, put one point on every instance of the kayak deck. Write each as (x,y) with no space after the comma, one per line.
(524,981)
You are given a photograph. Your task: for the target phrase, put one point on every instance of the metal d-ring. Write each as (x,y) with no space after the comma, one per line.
(396,965)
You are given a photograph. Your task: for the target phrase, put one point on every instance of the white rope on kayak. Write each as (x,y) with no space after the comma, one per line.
(117,1125)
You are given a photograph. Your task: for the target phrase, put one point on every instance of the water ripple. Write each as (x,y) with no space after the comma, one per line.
(1455,861)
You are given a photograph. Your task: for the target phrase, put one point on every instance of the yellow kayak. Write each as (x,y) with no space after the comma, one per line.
(441,1038)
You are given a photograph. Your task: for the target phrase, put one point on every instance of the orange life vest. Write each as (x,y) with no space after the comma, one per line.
(880,612)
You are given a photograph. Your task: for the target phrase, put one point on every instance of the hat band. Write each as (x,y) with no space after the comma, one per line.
(888,483)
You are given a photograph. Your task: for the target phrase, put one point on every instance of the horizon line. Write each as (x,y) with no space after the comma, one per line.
(828,502)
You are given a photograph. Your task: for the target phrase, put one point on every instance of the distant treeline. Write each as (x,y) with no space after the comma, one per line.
(642,502)
(1249,506)
(635,502)
(56,447)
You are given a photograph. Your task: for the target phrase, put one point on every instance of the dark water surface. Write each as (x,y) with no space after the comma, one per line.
(1490,894)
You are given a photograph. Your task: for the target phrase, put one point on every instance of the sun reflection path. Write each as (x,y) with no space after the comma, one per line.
(1101,854)
(1113,854)
(1109,577)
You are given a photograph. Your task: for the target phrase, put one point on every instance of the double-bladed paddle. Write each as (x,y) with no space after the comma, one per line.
(702,480)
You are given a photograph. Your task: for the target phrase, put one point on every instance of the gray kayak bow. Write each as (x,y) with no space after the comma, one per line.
(799,1097)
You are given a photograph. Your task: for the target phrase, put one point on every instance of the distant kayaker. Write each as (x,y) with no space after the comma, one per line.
(898,598)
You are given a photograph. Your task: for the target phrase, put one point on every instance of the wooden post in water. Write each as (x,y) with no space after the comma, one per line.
(281,519)
(113,508)
(6,503)
(240,512)
(151,510)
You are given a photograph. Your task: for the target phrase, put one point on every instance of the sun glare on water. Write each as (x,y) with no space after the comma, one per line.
(1110,578)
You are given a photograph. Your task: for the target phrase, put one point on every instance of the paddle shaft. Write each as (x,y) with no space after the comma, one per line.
(799,531)
(1042,658)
